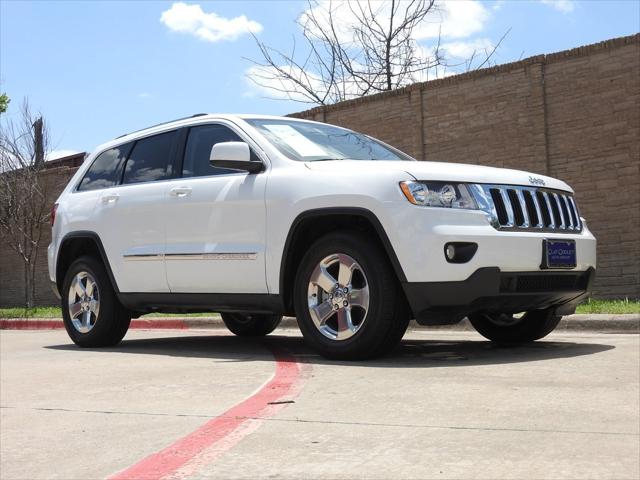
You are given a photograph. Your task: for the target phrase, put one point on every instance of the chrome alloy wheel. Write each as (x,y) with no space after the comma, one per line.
(84,302)
(338,296)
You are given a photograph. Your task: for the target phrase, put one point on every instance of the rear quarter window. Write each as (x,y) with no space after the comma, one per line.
(106,169)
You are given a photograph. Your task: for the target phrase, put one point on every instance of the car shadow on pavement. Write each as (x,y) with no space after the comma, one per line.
(420,353)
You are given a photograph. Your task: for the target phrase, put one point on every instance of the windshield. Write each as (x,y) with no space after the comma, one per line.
(313,142)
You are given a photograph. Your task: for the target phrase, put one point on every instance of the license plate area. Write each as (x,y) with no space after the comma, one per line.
(558,254)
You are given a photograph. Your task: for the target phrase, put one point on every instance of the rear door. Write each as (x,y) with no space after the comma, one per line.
(131,217)
(215,220)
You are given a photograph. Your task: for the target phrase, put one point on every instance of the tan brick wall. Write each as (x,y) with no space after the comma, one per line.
(573,115)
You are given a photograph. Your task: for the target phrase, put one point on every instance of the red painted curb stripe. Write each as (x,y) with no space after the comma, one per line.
(169,460)
(16,324)
(140,323)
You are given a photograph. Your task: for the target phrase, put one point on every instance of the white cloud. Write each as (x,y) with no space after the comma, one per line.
(210,27)
(564,6)
(448,18)
(52,155)
(144,95)
(455,19)
(464,50)
(498,5)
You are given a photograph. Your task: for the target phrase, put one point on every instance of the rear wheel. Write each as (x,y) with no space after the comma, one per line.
(347,299)
(510,328)
(92,314)
(252,325)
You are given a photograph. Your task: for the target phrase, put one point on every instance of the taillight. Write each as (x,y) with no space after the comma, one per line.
(53,213)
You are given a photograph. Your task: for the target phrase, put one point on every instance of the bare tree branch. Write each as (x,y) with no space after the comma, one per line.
(24,208)
(374,51)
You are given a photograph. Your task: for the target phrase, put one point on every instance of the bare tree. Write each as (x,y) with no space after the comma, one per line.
(377,51)
(24,207)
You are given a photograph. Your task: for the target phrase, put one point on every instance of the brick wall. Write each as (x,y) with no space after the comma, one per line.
(12,270)
(573,115)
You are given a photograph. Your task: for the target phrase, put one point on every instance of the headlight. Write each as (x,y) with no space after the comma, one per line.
(439,194)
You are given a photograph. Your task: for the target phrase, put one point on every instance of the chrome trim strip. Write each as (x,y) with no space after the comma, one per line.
(143,256)
(190,256)
(212,256)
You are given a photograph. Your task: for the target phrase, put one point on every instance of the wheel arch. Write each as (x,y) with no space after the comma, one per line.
(310,224)
(76,244)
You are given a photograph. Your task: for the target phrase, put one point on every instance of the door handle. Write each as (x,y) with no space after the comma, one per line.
(110,198)
(180,192)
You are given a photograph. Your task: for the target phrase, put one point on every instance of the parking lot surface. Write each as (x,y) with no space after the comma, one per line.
(205,404)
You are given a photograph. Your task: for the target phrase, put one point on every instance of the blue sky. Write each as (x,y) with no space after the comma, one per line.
(99,69)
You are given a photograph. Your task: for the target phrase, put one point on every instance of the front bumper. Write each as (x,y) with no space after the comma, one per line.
(490,289)
(419,234)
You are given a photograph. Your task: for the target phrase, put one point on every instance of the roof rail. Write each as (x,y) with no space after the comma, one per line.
(163,123)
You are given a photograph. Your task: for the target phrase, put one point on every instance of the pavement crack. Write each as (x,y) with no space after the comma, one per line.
(334,422)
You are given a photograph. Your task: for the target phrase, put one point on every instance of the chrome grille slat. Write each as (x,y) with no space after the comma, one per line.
(536,204)
(563,224)
(566,206)
(523,206)
(508,207)
(514,207)
(577,214)
(552,215)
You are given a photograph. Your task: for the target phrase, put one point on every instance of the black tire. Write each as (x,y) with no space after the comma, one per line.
(505,328)
(112,321)
(251,325)
(387,317)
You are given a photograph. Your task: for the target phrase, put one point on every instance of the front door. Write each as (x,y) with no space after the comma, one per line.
(215,230)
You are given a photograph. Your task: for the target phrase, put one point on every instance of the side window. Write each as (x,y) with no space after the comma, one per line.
(105,171)
(150,159)
(198,150)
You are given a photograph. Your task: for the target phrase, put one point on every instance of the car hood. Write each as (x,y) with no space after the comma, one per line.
(447,172)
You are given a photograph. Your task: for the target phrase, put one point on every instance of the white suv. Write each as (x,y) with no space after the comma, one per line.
(258,217)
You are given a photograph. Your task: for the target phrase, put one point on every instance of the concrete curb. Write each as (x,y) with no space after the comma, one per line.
(600,323)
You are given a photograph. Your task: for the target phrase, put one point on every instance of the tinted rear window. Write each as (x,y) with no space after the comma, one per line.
(150,159)
(106,169)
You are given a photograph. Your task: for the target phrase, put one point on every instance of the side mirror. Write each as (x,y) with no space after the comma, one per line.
(235,155)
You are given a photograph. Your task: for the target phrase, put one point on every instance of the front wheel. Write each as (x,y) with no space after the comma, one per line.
(509,328)
(255,325)
(347,299)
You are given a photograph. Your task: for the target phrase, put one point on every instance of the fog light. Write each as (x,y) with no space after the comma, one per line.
(460,252)
(450,252)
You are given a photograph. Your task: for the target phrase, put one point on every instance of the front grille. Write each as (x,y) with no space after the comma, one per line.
(538,209)
(543,282)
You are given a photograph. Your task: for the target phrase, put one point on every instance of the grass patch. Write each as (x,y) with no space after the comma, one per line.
(591,306)
(609,306)
(55,312)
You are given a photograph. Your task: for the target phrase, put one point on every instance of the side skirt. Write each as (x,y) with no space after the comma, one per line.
(202,302)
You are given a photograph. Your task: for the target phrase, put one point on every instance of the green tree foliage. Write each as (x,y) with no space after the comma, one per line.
(4,102)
